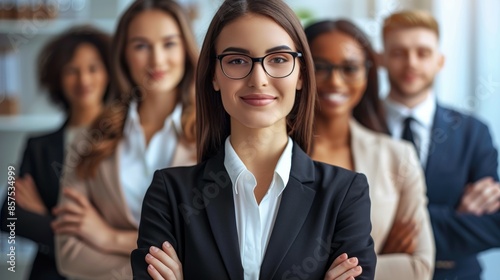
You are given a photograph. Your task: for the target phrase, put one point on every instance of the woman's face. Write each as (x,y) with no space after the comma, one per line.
(85,78)
(341,90)
(257,100)
(155,52)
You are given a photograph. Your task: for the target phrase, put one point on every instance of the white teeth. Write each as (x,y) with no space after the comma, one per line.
(336,97)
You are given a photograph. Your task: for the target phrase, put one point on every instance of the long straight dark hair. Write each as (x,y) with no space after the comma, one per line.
(107,130)
(369,111)
(212,125)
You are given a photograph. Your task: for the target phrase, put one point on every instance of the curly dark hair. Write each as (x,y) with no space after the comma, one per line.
(60,50)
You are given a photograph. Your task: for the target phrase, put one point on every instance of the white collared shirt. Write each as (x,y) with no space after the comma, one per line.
(137,162)
(423,113)
(254,221)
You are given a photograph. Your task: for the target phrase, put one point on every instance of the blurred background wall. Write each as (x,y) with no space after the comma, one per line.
(470,80)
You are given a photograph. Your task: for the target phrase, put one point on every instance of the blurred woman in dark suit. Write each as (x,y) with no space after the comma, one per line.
(74,69)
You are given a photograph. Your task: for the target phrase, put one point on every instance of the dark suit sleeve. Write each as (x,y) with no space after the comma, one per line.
(353,228)
(31,225)
(156,225)
(458,234)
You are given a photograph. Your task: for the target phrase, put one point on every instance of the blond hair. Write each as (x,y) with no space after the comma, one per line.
(409,19)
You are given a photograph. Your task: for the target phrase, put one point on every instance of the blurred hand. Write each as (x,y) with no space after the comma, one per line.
(79,218)
(164,263)
(402,238)
(28,197)
(481,197)
(343,268)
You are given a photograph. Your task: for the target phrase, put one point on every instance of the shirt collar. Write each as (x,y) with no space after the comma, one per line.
(235,167)
(423,113)
(133,125)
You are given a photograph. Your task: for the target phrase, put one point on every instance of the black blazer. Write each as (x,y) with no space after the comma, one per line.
(43,159)
(324,212)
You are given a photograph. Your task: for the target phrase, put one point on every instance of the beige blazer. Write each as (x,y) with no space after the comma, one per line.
(397,192)
(76,259)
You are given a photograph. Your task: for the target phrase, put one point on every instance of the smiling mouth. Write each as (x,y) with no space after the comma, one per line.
(258,100)
(157,75)
(335,98)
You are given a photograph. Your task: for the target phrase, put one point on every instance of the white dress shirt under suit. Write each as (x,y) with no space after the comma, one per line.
(254,222)
(423,114)
(138,162)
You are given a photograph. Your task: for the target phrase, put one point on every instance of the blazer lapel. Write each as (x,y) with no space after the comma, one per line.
(438,147)
(55,150)
(362,147)
(221,214)
(296,201)
(109,177)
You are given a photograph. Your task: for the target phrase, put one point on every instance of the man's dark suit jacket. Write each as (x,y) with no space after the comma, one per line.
(461,152)
(43,159)
(324,212)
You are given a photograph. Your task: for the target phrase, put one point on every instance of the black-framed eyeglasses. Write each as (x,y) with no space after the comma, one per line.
(238,66)
(350,73)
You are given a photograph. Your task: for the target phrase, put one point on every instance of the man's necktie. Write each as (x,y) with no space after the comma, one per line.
(408,133)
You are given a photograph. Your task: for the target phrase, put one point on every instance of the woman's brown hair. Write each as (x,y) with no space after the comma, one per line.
(58,52)
(369,111)
(107,131)
(212,126)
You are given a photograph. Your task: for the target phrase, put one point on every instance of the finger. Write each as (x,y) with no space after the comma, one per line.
(23,197)
(69,218)
(489,194)
(58,225)
(468,203)
(404,229)
(30,183)
(404,242)
(493,207)
(67,231)
(161,265)
(479,186)
(169,249)
(341,268)
(60,228)
(20,187)
(491,200)
(68,208)
(400,234)
(154,273)
(351,273)
(20,193)
(338,260)
(169,258)
(19,183)
(410,250)
(76,196)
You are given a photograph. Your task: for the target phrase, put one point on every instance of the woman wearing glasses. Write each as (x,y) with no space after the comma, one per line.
(349,132)
(256,206)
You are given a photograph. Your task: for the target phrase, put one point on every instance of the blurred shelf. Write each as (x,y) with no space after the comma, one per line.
(31,28)
(30,123)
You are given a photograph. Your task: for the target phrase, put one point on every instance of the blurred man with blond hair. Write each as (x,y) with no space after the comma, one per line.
(455,149)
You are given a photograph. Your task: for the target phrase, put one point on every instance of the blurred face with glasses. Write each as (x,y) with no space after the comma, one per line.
(257,72)
(341,73)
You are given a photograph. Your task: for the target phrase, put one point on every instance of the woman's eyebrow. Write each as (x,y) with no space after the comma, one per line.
(144,39)
(245,51)
(279,48)
(238,50)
